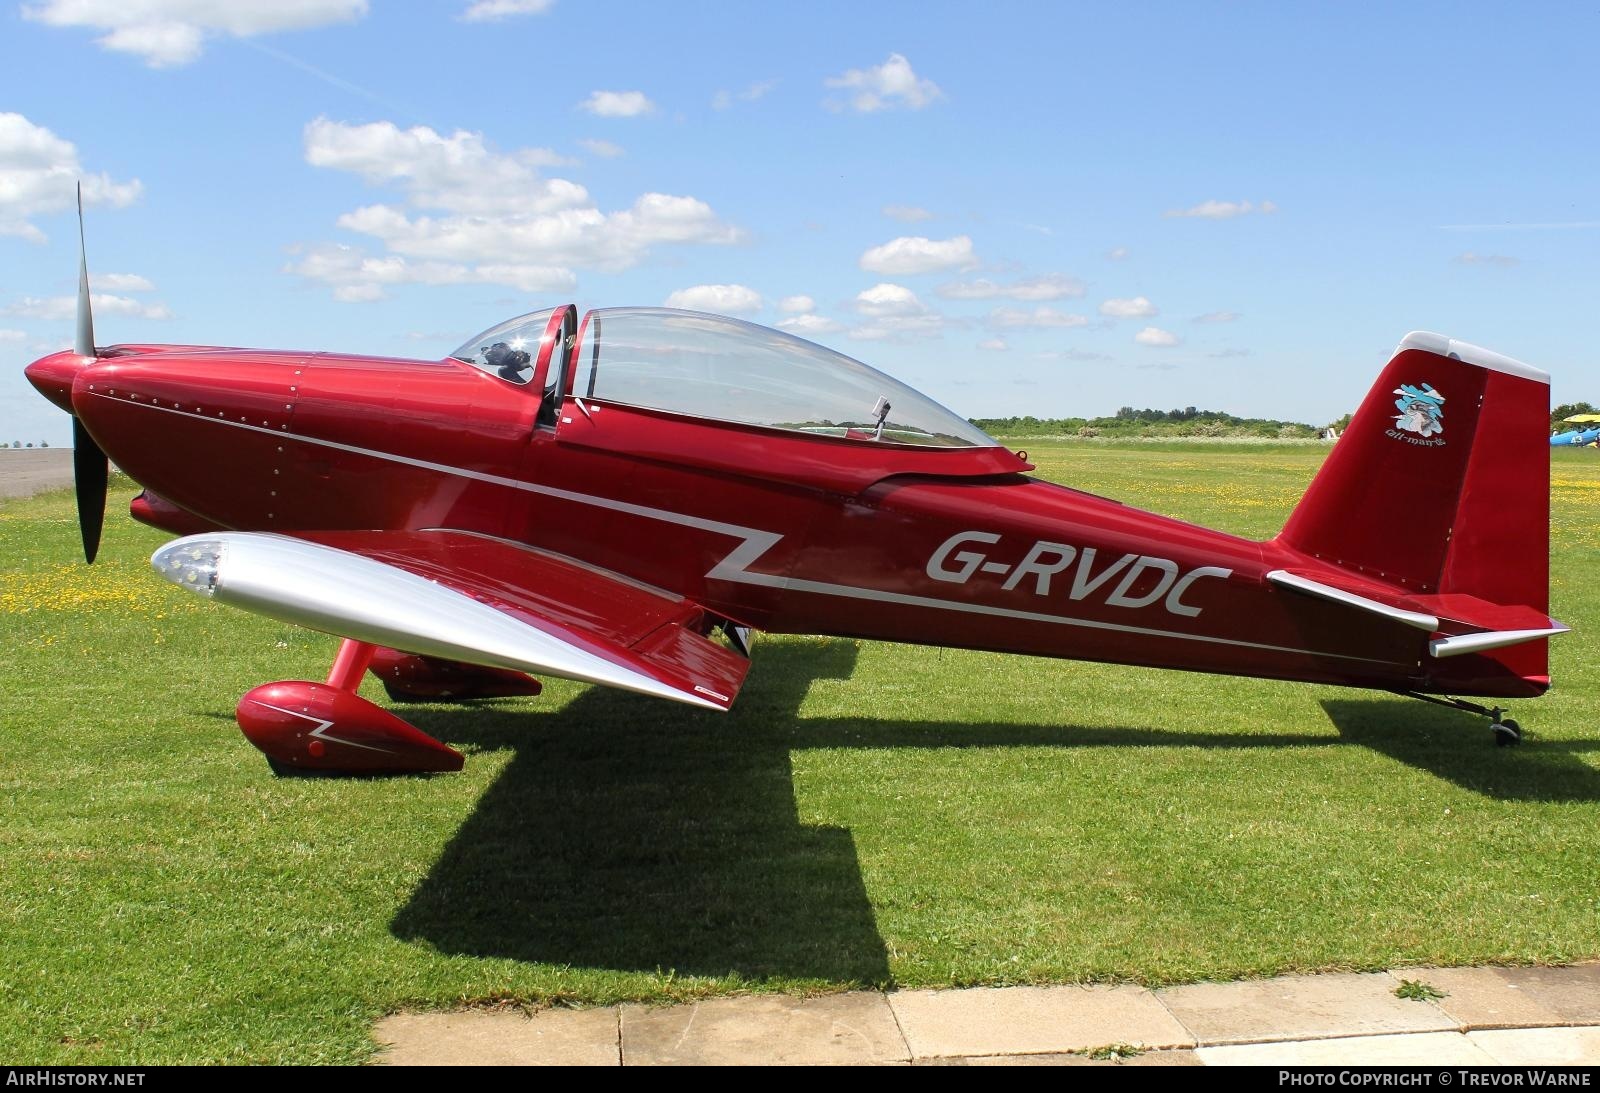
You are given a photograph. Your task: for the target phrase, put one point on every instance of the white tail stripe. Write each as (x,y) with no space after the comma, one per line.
(1417,619)
(1471,354)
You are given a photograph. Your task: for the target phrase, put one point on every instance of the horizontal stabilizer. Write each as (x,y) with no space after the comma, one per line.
(1489,625)
(1480,614)
(1460,644)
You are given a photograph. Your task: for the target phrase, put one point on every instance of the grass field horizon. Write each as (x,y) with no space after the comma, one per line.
(868,814)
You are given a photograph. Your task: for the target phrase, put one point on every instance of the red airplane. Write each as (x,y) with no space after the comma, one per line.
(624,500)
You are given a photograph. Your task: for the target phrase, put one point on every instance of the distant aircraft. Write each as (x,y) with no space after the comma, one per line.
(624,500)
(1577,437)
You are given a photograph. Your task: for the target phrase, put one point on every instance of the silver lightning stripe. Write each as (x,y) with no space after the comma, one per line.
(735,567)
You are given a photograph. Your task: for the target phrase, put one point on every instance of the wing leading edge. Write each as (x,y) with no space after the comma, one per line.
(468,597)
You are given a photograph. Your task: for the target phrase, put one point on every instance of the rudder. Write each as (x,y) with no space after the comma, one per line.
(1441,484)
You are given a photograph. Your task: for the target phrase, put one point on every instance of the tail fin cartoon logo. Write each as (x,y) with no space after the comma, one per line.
(1421,410)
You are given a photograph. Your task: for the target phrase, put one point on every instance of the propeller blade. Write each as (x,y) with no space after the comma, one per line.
(83,341)
(90,469)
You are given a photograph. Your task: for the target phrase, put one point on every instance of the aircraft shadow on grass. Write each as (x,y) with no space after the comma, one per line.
(639,836)
(1456,746)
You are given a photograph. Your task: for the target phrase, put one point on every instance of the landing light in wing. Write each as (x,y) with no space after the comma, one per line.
(191,563)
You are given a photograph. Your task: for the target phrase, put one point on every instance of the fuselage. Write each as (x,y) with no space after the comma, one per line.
(776,529)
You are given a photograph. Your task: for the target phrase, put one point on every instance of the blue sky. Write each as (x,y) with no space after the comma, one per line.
(1045,208)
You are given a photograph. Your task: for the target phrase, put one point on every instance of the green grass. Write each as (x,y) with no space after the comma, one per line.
(868,814)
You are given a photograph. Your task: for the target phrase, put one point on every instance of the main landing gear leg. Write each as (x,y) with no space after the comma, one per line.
(328,727)
(1507,733)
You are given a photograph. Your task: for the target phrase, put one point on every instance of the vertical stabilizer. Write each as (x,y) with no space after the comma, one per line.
(1441,484)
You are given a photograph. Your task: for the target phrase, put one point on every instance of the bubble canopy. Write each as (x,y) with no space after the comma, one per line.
(508,349)
(709,366)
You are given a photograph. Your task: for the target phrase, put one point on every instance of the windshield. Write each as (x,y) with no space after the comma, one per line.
(510,349)
(713,367)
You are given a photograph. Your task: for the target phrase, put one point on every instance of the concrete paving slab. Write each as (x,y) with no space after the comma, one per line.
(833,1030)
(1033,1020)
(27,471)
(1405,1049)
(500,1038)
(1300,1008)
(1540,1046)
(1504,997)
(1485,997)
(1310,1020)
(1183,1057)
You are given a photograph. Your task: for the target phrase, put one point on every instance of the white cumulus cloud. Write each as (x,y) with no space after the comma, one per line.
(120,282)
(492,11)
(917,254)
(893,313)
(570,237)
(807,326)
(1048,286)
(888,299)
(1222,210)
(1155,336)
(356,277)
(39,173)
(65,307)
(908,214)
(994,345)
(618,104)
(362,293)
(605,149)
(888,86)
(723,299)
(7,335)
(1216,317)
(1472,258)
(491,213)
(1040,318)
(797,305)
(900,328)
(1072,355)
(1117,254)
(1136,308)
(164,33)
(459,172)
(724,99)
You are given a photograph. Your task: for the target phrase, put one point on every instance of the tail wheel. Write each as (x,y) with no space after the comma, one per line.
(1507,733)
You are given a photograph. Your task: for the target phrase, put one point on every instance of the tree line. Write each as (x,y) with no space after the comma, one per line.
(1191,421)
(1128,421)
